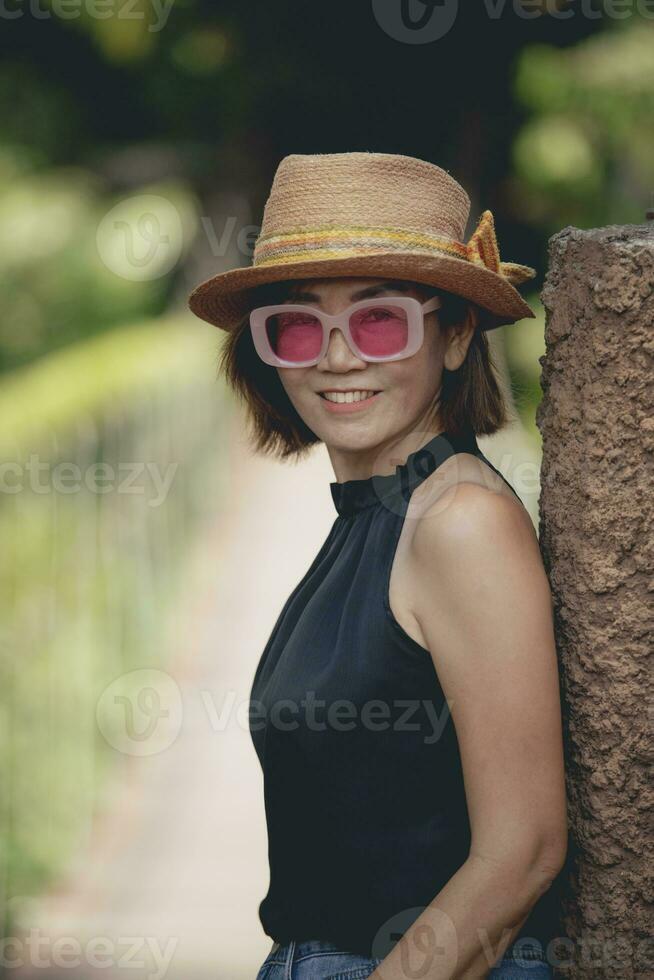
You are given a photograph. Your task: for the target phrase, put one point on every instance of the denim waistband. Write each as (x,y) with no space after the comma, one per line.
(522,949)
(305,947)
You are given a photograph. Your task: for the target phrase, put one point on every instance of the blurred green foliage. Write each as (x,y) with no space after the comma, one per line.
(585,155)
(54,286)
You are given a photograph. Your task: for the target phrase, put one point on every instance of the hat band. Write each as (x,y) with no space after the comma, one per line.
(307,244)
(334,242)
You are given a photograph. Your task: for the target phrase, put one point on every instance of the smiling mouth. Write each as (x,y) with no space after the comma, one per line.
(346,397)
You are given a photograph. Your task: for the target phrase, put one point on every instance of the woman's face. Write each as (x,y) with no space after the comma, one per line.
(405,389)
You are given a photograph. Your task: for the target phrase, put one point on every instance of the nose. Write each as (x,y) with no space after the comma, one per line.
(338,356)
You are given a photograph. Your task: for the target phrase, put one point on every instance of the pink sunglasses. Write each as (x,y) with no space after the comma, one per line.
(388,329)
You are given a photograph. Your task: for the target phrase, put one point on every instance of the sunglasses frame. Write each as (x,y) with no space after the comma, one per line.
(414,309)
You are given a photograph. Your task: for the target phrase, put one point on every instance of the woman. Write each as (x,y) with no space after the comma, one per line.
(405,710)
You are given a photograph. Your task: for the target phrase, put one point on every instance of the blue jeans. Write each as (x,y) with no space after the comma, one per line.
(316,959)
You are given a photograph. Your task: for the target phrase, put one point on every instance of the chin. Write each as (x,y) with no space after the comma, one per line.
(353,440)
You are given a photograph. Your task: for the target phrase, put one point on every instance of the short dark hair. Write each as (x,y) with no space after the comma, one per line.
(471,398)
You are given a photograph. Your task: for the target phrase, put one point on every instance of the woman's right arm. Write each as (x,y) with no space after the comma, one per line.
(483,603)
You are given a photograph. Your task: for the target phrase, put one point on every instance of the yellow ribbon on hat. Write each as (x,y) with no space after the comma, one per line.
(483,249)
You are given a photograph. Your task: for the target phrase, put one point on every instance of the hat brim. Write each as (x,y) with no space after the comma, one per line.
(224,299)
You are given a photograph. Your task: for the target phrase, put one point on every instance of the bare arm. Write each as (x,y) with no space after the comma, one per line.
(484,607)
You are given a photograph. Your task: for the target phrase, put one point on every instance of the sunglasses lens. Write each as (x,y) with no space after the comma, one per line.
(294,336)
(380,330)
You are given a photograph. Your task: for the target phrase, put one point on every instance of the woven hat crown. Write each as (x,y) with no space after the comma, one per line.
(358,191)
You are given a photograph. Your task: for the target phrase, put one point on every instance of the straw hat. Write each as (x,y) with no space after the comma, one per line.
(373,215)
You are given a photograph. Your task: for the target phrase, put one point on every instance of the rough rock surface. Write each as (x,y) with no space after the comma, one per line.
(596,515)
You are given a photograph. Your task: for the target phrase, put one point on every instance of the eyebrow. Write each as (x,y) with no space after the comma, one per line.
(394,285)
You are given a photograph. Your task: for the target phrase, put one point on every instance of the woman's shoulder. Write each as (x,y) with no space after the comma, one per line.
(466,502)
(472,547)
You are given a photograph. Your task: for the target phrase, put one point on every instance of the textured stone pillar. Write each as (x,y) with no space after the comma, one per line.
(596,535)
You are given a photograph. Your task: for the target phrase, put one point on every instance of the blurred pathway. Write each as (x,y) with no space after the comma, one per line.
(177,865)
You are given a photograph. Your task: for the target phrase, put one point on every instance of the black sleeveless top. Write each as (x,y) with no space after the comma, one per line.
(363,785)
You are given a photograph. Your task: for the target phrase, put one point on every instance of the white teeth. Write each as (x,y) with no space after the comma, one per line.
(346,396)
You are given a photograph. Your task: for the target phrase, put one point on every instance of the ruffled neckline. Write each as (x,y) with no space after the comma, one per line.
(352,496)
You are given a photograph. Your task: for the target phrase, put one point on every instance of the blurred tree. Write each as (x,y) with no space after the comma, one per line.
(586,154)
(59,280)
(583,157)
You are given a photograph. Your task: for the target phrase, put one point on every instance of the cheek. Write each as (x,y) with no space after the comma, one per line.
(293,381)
(417,378)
